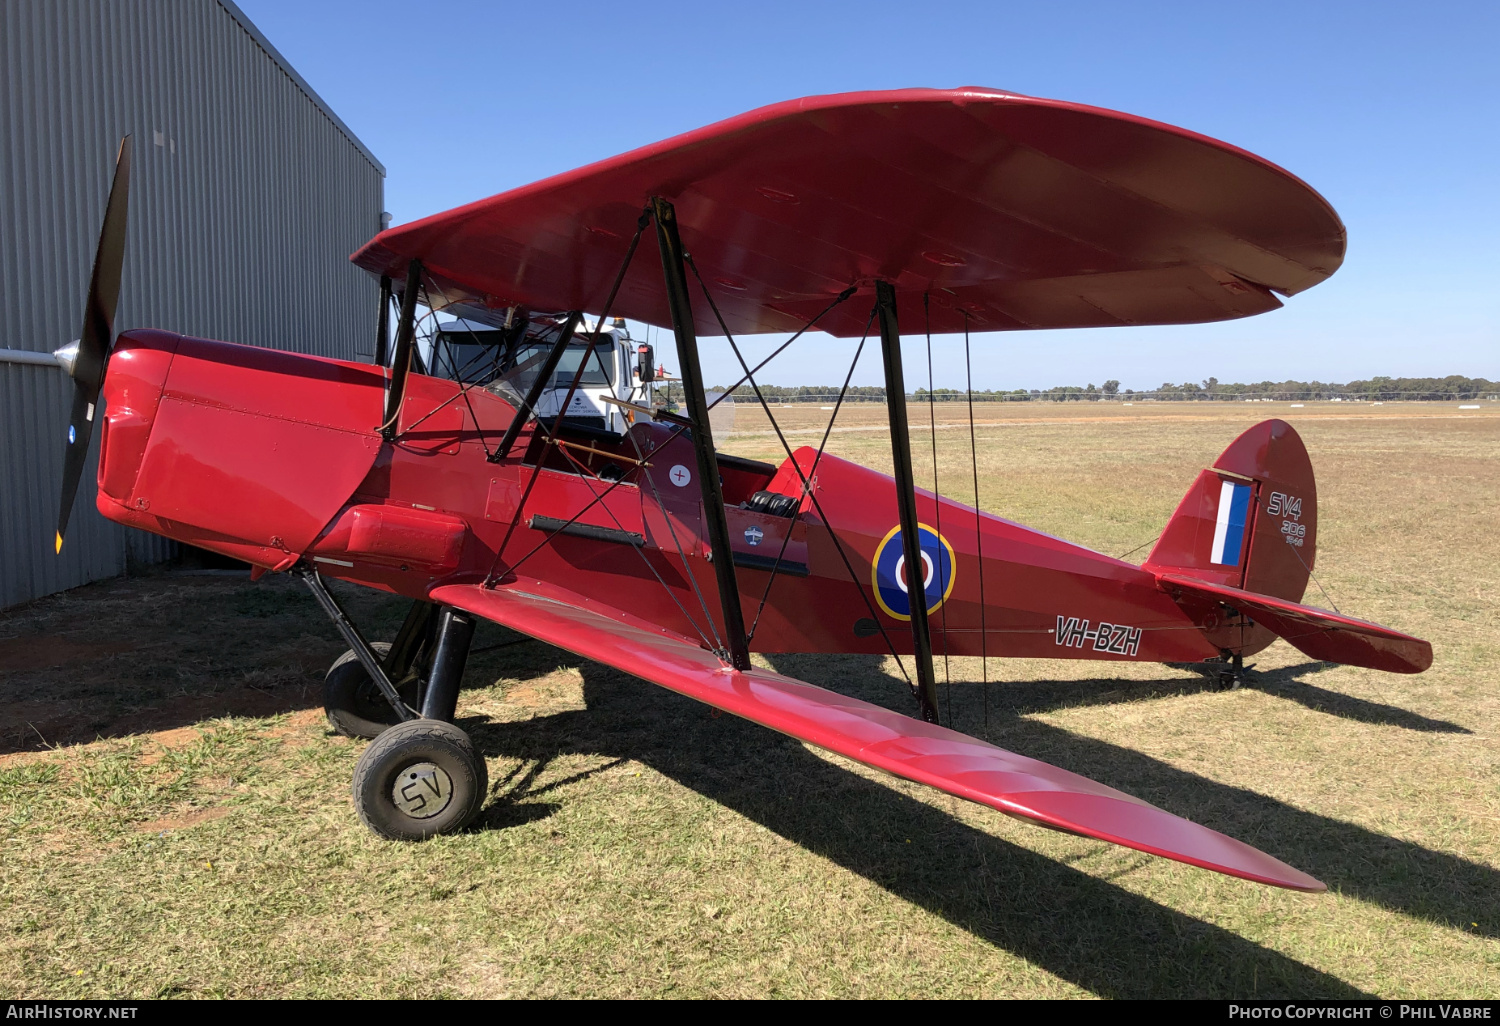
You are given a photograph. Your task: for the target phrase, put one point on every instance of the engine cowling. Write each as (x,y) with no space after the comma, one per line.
(245,451)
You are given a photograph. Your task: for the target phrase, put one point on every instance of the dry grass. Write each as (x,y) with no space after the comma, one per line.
(635,844)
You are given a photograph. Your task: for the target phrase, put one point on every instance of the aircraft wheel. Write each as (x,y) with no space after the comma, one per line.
(419,778)
(352,701)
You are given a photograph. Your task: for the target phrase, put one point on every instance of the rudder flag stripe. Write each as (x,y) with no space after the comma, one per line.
(1229,528)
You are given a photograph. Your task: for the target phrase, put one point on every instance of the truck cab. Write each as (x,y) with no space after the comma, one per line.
(506,360)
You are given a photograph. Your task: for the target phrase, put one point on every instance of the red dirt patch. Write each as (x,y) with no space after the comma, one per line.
(297,721)
(179,737)
(22,758)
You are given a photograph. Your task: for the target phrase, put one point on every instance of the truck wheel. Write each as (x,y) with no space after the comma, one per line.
(353,702)
(419,778)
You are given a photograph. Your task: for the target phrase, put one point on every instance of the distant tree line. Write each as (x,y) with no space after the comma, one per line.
(807,393)
(1455,386)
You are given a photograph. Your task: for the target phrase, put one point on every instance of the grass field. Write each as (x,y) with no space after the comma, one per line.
(176,819)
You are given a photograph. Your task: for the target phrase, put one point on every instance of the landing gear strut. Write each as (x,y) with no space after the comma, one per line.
(353,700)
(367,656)
(455,631)
(421,774)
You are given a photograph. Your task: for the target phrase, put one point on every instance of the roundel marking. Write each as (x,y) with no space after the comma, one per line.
(888,572)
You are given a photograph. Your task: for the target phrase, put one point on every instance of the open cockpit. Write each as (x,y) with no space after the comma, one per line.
(595,373)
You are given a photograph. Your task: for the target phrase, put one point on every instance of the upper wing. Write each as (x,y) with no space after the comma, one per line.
(1319,633)
(986,210)
(932,755)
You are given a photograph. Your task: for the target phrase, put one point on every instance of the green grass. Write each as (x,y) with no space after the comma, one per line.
(193,834)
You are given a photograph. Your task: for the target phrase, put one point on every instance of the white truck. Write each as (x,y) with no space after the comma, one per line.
(507,361)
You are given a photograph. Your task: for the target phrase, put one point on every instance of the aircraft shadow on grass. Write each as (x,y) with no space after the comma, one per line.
(1081,928)
(1288,683)
(1395,874)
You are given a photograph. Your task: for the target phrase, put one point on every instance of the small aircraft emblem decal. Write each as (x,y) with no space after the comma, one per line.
(889,576)
(753,535)
(680,476)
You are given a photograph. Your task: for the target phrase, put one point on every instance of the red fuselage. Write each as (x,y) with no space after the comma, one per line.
(270,457)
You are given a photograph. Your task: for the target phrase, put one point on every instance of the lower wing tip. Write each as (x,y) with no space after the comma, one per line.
(1293,881)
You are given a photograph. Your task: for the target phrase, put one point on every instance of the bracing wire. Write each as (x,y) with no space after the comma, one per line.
(598,498)
(1149,541)
(808,492)
(588,480)
(721,648)
(463,389)
(937,506)
(1314,578)
(806,478)
(640,227)
(984,635)
(677,432)
(782,348)
(661,504)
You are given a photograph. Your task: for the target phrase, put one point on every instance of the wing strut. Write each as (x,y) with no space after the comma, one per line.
(715,520)
(406,331)
(906,497)
(383,322)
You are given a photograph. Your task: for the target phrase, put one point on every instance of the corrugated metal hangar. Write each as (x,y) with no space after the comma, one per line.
(248,195)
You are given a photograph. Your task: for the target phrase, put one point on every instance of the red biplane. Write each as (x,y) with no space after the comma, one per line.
(858,215)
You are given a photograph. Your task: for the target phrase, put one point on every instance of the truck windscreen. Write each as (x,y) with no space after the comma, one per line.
(598,370)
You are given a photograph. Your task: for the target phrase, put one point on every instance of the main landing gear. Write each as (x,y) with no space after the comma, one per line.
(420,778)
(421,774)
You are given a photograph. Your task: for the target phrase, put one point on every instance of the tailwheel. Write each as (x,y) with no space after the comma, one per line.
(354,704)
(1233,674)
(419,778)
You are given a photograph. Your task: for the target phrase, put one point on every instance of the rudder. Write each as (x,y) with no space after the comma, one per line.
(1249,521)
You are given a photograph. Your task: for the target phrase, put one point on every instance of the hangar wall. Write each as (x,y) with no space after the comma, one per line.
(247,196)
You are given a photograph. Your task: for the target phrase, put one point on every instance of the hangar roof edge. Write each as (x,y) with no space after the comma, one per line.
(312,94)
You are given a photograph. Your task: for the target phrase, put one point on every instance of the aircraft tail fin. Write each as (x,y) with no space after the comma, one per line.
(1250,521)
(1239,551)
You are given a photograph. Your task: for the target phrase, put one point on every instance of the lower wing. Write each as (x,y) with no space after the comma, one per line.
(929,754)
(1317,632)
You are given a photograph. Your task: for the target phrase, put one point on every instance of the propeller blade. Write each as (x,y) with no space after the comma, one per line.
(98,333)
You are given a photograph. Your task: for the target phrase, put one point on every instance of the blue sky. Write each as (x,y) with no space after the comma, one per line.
(1391,111)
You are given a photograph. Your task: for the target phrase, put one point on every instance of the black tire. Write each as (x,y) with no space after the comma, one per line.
(352,701)
(420,778)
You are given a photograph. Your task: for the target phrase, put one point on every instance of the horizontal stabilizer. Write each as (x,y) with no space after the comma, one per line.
(1317,632)
(929,754)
